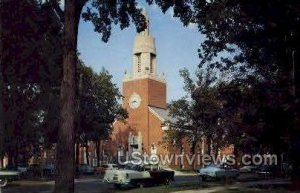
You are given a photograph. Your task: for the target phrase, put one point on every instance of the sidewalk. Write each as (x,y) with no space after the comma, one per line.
(274,183)
(180,173)
(49,182)
(206,190)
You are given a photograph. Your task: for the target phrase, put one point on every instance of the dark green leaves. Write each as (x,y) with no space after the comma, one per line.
(104,14)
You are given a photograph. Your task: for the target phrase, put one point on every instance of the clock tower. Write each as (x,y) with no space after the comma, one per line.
(144,88)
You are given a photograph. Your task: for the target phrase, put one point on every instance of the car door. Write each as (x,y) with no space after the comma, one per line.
(141,172)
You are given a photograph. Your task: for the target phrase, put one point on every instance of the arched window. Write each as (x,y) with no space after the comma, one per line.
(152,58)
(139,62)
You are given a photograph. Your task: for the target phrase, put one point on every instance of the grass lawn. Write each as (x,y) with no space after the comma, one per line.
(162,188)
(253,190)
(190,186)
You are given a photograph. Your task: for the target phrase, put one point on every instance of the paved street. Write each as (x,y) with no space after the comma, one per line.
(84,185)
(89,185)
(184,183)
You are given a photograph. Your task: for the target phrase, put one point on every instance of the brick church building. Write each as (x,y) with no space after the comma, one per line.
(145,94)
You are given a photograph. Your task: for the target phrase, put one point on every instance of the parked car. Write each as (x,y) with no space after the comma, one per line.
(248,169)
(266,170)
(138,175)
(22,168)
(38,170)
(86,169)
(34,170)
(217,172)
(110,166)
(102,169)
(48,170)
(8,175)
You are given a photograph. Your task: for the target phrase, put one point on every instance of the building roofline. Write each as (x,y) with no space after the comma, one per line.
(155,113)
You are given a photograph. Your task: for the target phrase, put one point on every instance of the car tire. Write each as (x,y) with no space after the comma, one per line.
(222,179)
(118,186)
(141,185)
(167,181)
(3,182)
(236,176)
(203,178)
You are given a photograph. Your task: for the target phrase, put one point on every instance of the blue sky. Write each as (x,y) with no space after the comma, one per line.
(176,48)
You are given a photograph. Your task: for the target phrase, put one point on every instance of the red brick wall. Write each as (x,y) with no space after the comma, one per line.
(157,94)
(156,133)
(152,93)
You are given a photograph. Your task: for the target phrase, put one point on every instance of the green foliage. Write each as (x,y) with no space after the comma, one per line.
(256,45)
(196,115)
(104,14)
(182,8)
(32,74)
(30,67)
(257,42)
(98,104)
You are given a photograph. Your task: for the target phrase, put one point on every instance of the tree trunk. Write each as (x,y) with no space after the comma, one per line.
(295,132)
(87,153)
(98,152)
(10,158)
(208,146)
(216,150)
(77,153)
(1,89)
(65,154)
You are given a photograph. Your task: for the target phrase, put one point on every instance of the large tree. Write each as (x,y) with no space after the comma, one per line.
(102,14)
(1,86)
(195,116)
(264,33)
(30,40)
(262,39)
(257,39)
(98,107)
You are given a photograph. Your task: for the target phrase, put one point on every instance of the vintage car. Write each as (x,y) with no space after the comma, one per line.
(138,175)
(266,171)
(217,172)
(102,169)
(7,175)
(248,169)
(85,169)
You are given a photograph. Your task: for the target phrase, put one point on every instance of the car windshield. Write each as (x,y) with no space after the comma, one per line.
(151,167)
(22,165)
(213,166)
(133,167)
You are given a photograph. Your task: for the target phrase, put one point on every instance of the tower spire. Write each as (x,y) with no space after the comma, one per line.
(144,52)
(144,55)
(146,31)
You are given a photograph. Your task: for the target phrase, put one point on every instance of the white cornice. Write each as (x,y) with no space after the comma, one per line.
(145,76)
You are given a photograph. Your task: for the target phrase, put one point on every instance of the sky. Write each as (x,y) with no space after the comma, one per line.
(176,48)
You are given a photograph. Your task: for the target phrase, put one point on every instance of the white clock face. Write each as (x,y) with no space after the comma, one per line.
(134,101)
